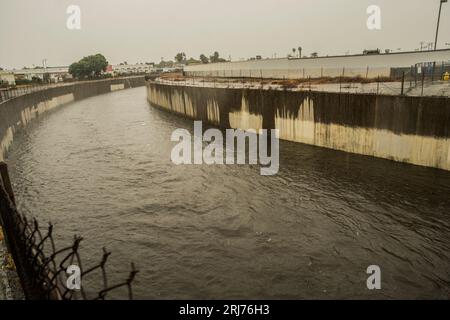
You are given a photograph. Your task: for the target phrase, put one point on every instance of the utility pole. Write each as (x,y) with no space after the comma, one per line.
(439,20)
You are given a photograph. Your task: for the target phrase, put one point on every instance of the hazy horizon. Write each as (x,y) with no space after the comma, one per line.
(145,31)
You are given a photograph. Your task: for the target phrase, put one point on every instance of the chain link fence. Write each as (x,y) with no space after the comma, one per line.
(42,267)
(15,91)
(430,79)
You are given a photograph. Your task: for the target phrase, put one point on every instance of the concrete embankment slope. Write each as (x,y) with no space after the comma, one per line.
(17,112)
(414,130)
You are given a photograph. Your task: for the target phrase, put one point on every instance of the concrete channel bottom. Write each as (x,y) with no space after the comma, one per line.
(10,288)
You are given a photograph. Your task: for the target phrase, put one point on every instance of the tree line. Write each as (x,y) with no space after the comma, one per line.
(214,58)
(93,66)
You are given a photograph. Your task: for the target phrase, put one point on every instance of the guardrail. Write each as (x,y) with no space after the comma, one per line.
(12,92)
(41,267)
(9,93)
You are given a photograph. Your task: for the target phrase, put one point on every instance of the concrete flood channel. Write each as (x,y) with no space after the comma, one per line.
(15,115)
(101,167)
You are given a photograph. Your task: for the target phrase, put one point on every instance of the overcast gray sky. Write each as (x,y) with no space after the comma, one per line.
(146,30)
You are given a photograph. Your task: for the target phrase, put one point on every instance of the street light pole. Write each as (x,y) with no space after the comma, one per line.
(439,20)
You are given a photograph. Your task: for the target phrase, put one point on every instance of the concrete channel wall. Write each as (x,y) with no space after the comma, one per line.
(17,112)
(370,66)
(414,130)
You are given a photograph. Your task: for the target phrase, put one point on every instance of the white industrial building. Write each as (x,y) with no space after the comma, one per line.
(365,65)
(124,69)
(55,74)
(7,77)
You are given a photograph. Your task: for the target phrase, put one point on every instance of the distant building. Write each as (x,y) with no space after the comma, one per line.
(7,77)
(128,69)
(372,51)
(54,74)
(371,64)
(173,69)
(109,70)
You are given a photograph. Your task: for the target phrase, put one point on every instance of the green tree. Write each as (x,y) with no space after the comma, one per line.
(216,58)
(204,59)
(180,57)
(91,66)
(192,61)
(165,64)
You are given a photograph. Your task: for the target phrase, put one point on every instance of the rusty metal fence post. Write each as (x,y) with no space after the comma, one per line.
(42,267)
(6,181)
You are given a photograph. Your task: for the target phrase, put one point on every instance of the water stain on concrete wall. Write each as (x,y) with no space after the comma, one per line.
(414,130)
(16,113)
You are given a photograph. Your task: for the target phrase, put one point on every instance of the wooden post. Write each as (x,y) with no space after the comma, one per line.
(378,85)
(403,83)
(6,181)
(262,82)
(433,71)
(423,80)
(415,76)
